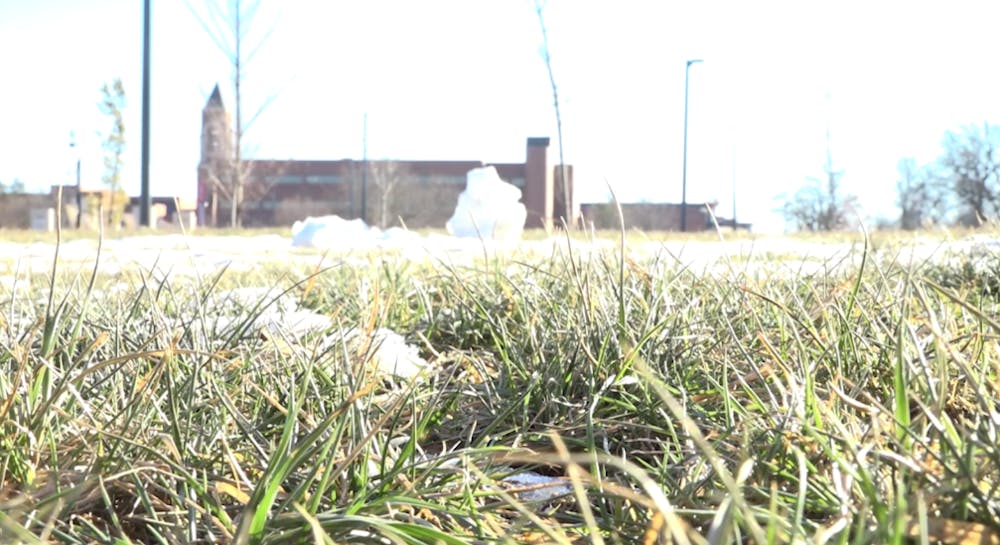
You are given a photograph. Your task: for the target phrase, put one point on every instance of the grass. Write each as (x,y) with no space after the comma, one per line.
(856,404)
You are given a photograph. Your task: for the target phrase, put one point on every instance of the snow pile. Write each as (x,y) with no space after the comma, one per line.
(386,350)
(489,208)
(336,232)
(329,232)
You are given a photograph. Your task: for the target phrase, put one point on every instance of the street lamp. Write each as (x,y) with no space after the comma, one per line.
(79,194)
(687,72)
(364,170)
(145,197)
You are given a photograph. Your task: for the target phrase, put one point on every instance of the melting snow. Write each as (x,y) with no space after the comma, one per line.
(386,350)
(531,486)
(489,208)
(278,313)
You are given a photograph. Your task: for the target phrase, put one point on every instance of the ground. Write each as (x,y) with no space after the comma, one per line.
(176,389)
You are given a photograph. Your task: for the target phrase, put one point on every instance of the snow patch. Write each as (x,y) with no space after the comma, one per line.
(329,232)
(386,350)
(278,312)
(488,209)
(531,486)
(334,232)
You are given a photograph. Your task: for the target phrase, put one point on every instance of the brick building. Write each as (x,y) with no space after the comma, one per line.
(384,193)
(661,216)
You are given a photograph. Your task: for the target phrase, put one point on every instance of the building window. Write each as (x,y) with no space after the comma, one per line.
(324,179)
(284,179)
(433,179)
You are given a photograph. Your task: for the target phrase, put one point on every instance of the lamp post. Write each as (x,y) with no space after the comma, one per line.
(145,198)
(364,170)
(687,73)
(734,188)
(79,194)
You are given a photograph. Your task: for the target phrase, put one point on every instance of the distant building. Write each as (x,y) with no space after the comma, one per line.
(35,210)
(80,208)
(655,216)
(385,193)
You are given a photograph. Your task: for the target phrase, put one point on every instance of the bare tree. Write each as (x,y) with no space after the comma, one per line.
(112,103)
(228,24)
(262,177)
(972,167)
(15,187)
(561,181)
(820,205)
(385,177)
(921,195)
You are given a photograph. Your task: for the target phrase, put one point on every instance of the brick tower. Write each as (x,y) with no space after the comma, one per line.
(216,156)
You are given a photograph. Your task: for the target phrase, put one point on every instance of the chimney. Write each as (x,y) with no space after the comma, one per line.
(538,195)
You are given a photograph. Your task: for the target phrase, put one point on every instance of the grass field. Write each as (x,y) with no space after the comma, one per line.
(750,401)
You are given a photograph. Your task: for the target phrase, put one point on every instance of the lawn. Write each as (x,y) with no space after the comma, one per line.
(590,393)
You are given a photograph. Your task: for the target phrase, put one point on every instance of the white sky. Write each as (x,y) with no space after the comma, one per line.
(464,79)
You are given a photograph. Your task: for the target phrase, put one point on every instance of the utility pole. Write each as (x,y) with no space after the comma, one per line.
(79,193)
(684,174)
(734,187)
(145,199)
(364,170)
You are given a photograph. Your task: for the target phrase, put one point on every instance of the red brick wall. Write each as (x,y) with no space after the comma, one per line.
(421,193)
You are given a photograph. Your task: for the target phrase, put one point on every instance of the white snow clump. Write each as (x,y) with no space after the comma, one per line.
(330,232)
(489,208)
(387,350)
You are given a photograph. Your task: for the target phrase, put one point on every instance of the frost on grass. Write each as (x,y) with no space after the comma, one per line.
(278,313)
(801,403)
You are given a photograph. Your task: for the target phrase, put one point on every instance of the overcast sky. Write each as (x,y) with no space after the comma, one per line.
(464,79)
